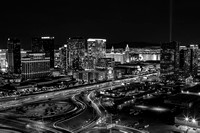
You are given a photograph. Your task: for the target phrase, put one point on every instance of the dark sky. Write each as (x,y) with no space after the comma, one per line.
(134,20)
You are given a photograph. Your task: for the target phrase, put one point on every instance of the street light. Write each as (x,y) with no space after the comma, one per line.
(193,120)
(186,118)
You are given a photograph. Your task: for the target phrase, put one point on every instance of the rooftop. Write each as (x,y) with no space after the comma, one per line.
(183,99)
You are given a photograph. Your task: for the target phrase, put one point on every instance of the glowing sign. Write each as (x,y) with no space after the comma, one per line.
(47,37)
(91,40)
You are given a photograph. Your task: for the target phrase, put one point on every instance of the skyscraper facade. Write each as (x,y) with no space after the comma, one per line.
(3,60)
(64,58)
(46,45)
(14,55)
(35,65)
(189,61)
(193,59)
(96,48)
(169,63)
(76,47)
(184,66)
(198,56)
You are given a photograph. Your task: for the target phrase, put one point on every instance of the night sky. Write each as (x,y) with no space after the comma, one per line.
(134,20)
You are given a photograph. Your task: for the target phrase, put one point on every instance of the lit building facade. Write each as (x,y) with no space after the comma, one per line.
(188,61)
(14,55)
(127,52)
(89,63)
(184,67)
(35,65)
(57,58)
(134,54)
(198,56)
(3,60)
(169,62)
(144,54)
(63,58)
(193,59)
(105,69)
(118,57)
(76,48)
(96,48)
(46,45)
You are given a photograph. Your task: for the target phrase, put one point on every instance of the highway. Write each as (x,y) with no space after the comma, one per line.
(103,115)
(57,125)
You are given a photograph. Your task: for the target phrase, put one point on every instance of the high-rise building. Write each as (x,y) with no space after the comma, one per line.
(57,58)
(127,51)
(64,58)
(198,56)
(105,68)
(14,55)
(193,59)
(96,48)
(46,45)
(35,65)
(184,66)
(76,48)
(3,60)
(188,61)
(169,63)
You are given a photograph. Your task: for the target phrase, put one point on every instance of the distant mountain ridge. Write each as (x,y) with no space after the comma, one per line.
(133,44)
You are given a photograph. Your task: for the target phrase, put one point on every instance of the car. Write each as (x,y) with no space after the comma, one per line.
(136,113)
(136,123)
(146,126)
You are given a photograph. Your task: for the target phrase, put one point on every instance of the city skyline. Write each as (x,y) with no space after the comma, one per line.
(86,67)
(142,21)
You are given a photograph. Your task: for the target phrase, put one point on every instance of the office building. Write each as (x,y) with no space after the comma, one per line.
(14,55)
(198,56)
(46,45)
(169,63)
(184,66)
(63,58)
(76,48)
(57,58)
(193,59)
(188,61)
(89,63)
(35,65)
(104,69)
(3,60)
(96,48)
